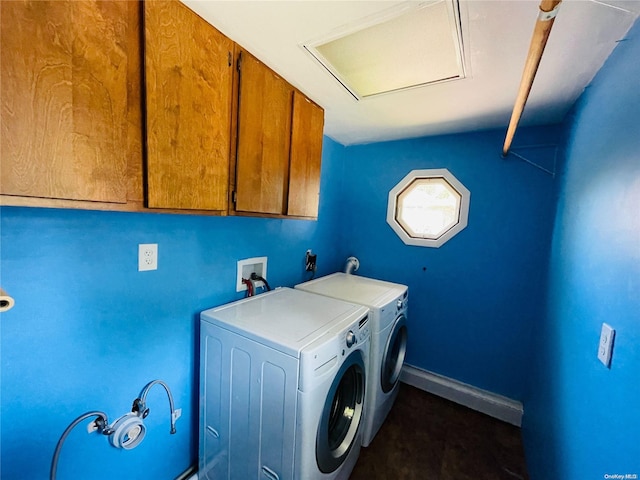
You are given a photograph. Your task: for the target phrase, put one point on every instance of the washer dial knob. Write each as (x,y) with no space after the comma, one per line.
(351,339)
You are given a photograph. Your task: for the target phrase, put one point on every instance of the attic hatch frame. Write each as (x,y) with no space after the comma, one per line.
(380,19)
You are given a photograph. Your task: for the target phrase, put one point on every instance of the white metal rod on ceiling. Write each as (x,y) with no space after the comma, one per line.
(546,17)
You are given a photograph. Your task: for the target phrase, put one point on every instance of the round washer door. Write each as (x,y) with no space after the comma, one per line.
(341,414)
(393,355)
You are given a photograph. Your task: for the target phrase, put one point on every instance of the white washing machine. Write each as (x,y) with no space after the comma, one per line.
(282,387)
(388,303)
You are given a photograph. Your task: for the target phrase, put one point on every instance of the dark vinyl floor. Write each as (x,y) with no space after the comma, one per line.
(426,437)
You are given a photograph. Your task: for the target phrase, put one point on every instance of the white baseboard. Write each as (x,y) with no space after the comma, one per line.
(489,403)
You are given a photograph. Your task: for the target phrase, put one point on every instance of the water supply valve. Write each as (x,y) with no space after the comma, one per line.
(126,432)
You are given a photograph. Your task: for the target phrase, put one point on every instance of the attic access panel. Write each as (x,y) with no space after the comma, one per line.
(408,47)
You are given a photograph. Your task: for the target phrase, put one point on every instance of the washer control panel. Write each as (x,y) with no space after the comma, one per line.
(358,336)
(357,333)
(324,356)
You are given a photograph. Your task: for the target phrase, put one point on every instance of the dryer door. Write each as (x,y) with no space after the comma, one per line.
(341,414)
(393,355)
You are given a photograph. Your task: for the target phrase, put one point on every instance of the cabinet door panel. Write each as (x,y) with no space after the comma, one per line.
(264,126)
(64,100)
(306,154)
(188,98)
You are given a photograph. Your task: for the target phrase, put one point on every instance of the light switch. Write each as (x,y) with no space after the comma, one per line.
(605,347)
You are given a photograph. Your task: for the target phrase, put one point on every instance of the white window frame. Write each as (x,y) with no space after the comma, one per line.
(463,214)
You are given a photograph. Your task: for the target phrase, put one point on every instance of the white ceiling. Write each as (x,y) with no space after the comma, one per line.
(496,35)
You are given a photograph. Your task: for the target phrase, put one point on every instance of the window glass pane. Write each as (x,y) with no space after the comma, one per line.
(428,207)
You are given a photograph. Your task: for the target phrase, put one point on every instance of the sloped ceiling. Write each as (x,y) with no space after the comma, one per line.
(496,35)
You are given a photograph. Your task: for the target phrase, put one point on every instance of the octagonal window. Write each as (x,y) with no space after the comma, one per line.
(428,207)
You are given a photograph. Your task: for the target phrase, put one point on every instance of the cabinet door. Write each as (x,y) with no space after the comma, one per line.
(188,76)
(64,100)
(306,154)
(264,136)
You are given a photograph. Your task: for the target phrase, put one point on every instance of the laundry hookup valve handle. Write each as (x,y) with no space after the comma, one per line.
(126,432)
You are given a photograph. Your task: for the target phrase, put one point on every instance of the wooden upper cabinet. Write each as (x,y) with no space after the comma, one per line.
(264,126)
(87,85)
(306,155)
(64,100)
(279,145)
(188,77)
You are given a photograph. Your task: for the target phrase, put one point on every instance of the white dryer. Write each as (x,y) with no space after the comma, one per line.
(282,386)
(388,303)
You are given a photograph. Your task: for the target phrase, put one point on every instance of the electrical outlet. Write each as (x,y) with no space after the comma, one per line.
(147,256)
(310,261)
(605,347)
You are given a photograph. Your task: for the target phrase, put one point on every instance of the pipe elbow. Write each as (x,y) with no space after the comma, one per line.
(352,265)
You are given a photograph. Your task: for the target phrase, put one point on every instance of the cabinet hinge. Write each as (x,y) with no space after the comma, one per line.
(234,197)
(229,58)
(239,63)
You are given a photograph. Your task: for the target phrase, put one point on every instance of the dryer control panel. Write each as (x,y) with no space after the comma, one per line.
(402,303)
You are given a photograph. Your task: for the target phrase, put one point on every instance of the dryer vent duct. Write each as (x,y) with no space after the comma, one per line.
(352,265)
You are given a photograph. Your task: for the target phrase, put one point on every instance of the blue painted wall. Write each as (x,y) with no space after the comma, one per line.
(89,331)
(474,300)
(582,420)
